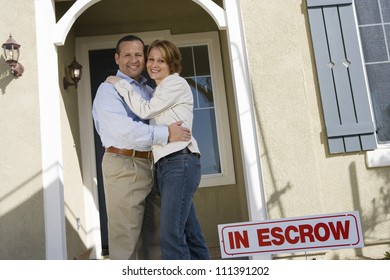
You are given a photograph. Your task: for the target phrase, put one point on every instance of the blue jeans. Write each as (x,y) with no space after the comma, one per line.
(178,177)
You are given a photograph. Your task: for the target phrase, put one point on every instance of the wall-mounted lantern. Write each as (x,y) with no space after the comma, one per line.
(75,71)
(11,54)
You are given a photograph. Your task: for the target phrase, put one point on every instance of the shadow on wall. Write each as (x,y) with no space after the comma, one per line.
(378,213)
(6,76)
(75,246)
(276,195)
(22,231)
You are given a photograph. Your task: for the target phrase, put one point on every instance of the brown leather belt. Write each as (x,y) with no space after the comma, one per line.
(130,153)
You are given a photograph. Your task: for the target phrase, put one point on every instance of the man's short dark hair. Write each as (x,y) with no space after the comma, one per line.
(127,38)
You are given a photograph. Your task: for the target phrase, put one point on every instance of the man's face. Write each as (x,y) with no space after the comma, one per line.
(131,60)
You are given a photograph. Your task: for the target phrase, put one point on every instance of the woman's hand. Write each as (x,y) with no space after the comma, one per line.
(113,79)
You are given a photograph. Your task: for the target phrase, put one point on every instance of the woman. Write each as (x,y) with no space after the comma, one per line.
(177,163)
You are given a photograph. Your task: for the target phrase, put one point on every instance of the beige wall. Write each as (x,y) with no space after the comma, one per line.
(21,195)
(301,178)
(22,233)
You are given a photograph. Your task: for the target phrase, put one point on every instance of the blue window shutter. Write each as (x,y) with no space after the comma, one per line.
(344,95)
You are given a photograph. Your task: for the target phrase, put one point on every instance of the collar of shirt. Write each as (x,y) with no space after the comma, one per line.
(140,86)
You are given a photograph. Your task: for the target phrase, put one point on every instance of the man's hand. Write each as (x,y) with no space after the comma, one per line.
(178,133)
(113,79)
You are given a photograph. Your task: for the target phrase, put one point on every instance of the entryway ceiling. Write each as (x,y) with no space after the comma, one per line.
(121,16)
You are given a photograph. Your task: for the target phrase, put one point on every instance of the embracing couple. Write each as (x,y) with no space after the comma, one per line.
(151,165)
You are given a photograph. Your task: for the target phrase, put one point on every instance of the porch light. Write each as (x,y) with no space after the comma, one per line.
(11,54)
(75,72)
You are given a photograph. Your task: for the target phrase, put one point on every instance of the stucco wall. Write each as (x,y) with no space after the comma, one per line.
(301,178)
(22,233)
(22,229)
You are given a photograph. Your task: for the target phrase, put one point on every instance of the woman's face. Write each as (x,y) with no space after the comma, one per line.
(156,65)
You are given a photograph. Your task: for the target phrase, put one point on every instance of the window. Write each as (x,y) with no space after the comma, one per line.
(202,68)
(372,22)
(196,70)
(374,27)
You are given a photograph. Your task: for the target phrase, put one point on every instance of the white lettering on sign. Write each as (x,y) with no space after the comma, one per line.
(341,230)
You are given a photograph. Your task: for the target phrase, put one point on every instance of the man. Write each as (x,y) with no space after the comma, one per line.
(127,163)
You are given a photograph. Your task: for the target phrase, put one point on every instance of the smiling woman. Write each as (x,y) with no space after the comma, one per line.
(157,67)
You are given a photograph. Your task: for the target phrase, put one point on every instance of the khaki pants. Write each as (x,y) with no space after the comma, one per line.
(150,249)
(127,182)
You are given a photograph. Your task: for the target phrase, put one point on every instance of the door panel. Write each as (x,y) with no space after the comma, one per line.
(101,65)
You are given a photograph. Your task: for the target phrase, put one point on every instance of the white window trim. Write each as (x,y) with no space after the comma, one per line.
(378,157)
(211,39)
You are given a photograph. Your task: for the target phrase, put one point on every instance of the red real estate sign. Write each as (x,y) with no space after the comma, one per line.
(323,232)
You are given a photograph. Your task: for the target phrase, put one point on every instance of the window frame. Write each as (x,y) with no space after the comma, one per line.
(211,39)
(379,157)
